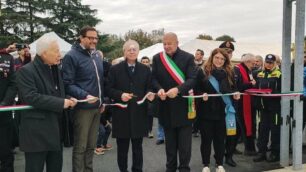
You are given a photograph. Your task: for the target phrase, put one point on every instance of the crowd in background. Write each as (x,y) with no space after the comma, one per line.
(58,117)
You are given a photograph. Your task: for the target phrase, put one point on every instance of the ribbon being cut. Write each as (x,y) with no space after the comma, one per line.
(252,92)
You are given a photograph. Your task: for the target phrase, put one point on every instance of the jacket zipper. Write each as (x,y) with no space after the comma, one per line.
(97,74)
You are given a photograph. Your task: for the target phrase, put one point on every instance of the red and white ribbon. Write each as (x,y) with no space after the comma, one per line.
(117,104)
(144,98)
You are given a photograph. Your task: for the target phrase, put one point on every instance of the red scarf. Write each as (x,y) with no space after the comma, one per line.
(246,101)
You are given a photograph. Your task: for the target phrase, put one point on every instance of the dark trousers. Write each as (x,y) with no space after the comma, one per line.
(150,120)
(270,121)
(178,140)
(122,154)
(196,125)
(232,141)
(35,161)
(103,135)
(6,142)
(212,131)
(7,163)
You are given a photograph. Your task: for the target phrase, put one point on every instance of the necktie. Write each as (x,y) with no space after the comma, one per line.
(131,68)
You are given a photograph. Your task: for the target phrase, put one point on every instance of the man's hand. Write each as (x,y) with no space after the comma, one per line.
(253,82)
(11,48)
(102,109)
(94,99)
(74,101)
(205,97)
(161,94)
(172,93)
(125,97)
(69,103)
(151,96)
(236,95)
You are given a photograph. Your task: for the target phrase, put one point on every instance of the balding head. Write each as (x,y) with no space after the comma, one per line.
(170,42)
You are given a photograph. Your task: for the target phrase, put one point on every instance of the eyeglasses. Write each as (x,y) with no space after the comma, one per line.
(92,38)
(132,50)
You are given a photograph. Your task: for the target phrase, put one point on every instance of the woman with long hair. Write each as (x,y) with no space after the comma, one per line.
(216,76)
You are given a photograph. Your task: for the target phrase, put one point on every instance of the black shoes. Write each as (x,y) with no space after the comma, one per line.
(250,153)
(229,161)
(260,157)
(237,152)
(159,142)
(273,158)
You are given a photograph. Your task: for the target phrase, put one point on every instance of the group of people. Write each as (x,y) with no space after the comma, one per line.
(167,87)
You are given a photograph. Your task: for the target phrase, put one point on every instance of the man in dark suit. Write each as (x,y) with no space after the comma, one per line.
(174,108)
(128,82)
(40,85)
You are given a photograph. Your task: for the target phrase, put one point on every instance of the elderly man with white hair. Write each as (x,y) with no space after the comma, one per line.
(245,118)
(128,82)
(40,85)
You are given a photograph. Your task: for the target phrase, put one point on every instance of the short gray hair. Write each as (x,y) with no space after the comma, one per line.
(259,57)
(130,42)
(247,57)
(43,44)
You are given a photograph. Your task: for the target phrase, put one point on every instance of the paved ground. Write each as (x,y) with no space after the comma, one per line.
(155,158)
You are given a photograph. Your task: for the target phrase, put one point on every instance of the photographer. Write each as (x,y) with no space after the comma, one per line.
(24,56)
(7,94)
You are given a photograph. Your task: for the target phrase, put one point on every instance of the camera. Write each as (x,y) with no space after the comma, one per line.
(20,46)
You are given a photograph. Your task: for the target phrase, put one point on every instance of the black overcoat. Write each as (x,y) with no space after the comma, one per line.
(174,112)
(130,122)
(40,128)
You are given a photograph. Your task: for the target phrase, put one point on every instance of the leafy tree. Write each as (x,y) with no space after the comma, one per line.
(225,38)
(25,18)
(143,38)
(111,46)
(8,21)
(205,37)
(67,17)
(157,35)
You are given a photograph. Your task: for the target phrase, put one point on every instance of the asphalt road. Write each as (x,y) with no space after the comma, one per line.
(155,159)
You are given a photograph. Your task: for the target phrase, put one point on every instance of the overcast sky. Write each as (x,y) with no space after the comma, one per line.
(245,20)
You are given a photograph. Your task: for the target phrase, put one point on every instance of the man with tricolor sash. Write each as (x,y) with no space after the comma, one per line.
(173,74)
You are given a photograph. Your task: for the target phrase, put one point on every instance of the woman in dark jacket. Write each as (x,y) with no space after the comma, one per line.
(212,111)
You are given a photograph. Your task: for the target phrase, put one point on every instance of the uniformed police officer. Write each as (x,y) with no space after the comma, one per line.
(269,78)
(8,92)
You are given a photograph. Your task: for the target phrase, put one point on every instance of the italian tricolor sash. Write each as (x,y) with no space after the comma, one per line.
(179,77)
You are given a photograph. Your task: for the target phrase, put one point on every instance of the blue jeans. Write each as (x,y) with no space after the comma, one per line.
(103,135)
(160,132)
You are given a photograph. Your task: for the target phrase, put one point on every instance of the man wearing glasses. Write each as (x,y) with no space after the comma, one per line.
(83,79)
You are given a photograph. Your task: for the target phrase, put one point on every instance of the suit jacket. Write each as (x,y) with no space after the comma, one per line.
(173,112)
(132,121)
(40,127)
